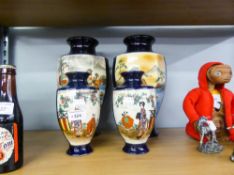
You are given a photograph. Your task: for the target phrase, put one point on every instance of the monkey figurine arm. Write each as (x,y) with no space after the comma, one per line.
(189,106)
(231,129)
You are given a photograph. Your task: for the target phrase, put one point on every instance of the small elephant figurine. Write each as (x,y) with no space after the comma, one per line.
(212,101)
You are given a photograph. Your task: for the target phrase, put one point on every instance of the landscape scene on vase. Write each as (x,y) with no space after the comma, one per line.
(94,65)
(153,66)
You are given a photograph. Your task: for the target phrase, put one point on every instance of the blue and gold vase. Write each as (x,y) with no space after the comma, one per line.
(78,110)
(82,57)
(134,111)
(81,82)
(140,57)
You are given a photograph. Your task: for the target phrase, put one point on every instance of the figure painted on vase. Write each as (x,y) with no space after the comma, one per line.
(91,125)
(1,153)
(76,127)
(212,101)
(143,122)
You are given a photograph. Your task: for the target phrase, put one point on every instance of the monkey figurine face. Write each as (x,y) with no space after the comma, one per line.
(219,74)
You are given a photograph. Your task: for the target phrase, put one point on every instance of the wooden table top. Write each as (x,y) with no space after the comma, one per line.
(172,153)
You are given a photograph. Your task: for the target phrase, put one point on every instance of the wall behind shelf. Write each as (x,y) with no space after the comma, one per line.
(35,52)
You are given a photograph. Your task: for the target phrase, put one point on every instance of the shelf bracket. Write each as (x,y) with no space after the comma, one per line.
(4,45)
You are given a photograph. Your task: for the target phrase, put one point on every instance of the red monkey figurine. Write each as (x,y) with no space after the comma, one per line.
(211,100)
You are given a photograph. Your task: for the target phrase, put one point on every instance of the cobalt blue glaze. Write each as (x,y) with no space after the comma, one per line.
(132,80)
(82,45)
(139,43)
(135,149)
(77,80)
(79,150)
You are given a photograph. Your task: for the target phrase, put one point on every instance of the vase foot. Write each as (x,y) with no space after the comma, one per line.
(79,150)
(135,149)
(97,133)
(154,133)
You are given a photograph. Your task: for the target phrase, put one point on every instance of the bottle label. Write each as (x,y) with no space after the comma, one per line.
(6,145)
(6,108)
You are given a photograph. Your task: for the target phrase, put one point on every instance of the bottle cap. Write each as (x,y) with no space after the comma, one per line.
(7,69)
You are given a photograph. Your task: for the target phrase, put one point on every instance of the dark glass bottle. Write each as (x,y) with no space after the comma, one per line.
(11,122)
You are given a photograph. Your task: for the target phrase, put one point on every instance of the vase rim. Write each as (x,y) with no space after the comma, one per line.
(82,39)
(133,71)
(139,38)
(79,72)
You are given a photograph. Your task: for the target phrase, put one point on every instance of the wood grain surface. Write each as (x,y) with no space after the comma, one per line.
(115,12)
(172,153)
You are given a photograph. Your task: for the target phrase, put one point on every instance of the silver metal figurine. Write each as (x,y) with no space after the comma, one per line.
(207,129)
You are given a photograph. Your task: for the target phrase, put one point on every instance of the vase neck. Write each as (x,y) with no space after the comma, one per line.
(82,45)
(132,79)
(139,43)
(78,79)
(139,48)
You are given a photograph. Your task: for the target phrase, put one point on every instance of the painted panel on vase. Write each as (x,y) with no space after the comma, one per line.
(159,96)
(78,112)
(95,65)
(152,64)
(135,113)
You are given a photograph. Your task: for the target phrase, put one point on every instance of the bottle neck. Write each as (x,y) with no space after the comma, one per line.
(139,47)
(82,49)
(8,85)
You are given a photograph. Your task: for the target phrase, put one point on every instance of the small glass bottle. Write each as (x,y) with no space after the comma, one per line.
(11,122)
